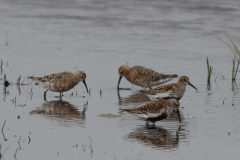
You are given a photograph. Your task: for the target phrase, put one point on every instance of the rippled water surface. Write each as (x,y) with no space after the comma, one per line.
(49,36)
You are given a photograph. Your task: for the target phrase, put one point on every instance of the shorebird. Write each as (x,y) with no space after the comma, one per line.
(61,82)
(173,90)
(143,77)
(156,110)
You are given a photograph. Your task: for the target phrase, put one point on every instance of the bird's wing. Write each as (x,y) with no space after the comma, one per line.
(54,78)
(150,110)
(161,89)
(147,74)
(151,107)
(153,77)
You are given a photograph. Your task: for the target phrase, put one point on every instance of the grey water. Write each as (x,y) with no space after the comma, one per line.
(98,36)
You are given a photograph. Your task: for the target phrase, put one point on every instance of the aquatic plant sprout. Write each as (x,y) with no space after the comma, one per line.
(210,68)
(236,53)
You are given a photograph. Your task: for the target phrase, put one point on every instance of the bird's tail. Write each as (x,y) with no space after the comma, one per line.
(148,92)
(174,76)
(169,76)
(36,78)
(123,110)
(142,91)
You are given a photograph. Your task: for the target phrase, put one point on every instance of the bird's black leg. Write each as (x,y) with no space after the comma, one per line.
(147,123)
(45,93)
(178,115)
(60,95)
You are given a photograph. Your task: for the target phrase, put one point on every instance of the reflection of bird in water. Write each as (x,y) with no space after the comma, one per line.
(62,111)
(155,110)
(136,97)
(156,137)
(143,77)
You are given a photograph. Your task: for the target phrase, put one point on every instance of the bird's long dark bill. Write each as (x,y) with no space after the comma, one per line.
(192,85)
(178,115)
(84,82)
(120,77)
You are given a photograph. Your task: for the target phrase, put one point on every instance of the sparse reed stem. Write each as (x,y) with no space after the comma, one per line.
(236,70)
(236,52)
(210,68)
(2,131)
(15,154)
(216,77)
(233,77)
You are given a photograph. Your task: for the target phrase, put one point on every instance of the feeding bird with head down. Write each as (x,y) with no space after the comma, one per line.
(143,77)
(61,82)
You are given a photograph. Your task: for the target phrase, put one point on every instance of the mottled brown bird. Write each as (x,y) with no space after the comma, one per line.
(61,82)
(156,110)
(143,77)
(173,90)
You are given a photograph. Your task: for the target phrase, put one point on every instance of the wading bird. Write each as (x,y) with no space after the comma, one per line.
(173,90)
(143,77)
(156,110)
(61,82)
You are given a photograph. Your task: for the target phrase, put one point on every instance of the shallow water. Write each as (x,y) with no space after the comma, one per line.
(44,37)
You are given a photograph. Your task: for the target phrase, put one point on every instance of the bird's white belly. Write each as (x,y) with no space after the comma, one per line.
(158,96)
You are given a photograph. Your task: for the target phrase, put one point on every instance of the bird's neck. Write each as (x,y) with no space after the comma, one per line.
(182,87)
(76,79)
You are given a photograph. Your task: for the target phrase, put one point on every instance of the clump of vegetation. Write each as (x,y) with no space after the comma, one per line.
(6,83)
(210,68)
(109,115)
(236,53)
